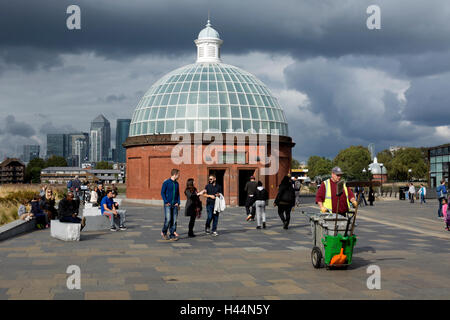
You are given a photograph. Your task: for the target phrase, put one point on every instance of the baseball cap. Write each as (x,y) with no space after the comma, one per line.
(337,170)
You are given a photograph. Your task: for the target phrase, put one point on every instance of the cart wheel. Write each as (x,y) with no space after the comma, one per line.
(316,257)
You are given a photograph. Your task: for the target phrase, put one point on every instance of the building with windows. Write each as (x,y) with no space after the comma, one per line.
(439,159)
(203,105)
(30,152)
(99,139)
(60,175)
(12,170)
(122,129)
(58,145)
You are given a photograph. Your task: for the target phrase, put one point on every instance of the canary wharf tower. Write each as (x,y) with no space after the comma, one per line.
(207,96)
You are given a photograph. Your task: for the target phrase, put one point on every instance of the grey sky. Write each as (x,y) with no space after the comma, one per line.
(339,83)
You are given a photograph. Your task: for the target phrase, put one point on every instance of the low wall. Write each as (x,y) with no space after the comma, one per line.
(16,228)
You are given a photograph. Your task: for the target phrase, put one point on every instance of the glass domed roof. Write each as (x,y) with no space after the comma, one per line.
(208,97)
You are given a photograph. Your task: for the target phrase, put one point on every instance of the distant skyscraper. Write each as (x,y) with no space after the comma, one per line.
(30,152)
(99,139)
(57,145)
(80,151)
(123,126)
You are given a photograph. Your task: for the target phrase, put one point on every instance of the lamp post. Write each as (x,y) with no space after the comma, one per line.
(381,178)
(409,174)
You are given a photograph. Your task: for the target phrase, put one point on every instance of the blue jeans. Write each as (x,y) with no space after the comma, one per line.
(119,218)
(211,216)
(170,220)
(422,199)
(440,207)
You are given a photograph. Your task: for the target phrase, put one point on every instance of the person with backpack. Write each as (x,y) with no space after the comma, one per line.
(285,200)
(441,191)
(261,197)
(297,188)
(193,208)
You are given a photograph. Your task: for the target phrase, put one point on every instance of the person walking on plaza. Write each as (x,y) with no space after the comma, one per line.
(326,196)
(363,196)
(285,200)
(297,188)
(371,196)
(445,212)
(170,193)
(250,189)
(193,208)
(211,191)
(422,193)
(261,197)
(412,192)
(109,209)
(441,191)
(68,210)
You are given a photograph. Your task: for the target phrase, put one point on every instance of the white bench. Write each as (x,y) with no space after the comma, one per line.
(65,231)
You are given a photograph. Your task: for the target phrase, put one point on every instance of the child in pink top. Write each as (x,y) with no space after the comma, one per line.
(446,215)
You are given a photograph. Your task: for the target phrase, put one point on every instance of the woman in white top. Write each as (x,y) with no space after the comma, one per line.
(94,196)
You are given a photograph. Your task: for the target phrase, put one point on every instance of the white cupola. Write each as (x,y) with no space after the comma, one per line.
(208,45)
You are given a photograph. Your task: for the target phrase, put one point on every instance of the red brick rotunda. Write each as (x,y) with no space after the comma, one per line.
(203,118)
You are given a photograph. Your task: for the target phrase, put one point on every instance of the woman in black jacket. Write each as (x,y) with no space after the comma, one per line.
(285,200)
(193,207)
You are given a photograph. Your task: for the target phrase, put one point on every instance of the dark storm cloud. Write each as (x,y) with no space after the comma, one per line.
(49,127)
(122,29)
(17,128)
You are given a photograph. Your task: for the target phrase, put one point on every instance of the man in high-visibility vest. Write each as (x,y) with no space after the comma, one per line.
(326,195)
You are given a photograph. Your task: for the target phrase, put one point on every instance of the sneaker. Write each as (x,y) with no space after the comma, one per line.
(113,229)
(264,225)
(191,235)
(258,227)
(215,234)
(249,217)
(123,228)
(207,231)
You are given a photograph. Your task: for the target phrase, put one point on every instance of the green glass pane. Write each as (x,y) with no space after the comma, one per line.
(158,100)
(224,125)
(213,124)
(219,77)
(237,125)
(230,87)
(170,88)
(191,111)
(193,96)
(203,86)
(250,99)
(246,88)
(162,112)
(165,99)
(171,112)
(164,88)
(233,98)
(212,76)
(177,87)
(203,97)
(196,77)
(183,76)
(238,87)
(194,86)
(183,98)
(138,128)
(258,100)
(204,77)
(226,77)
(160,127)
(223,98)
(269,114)
(185,87)
(150,102)
(247,125)
(153,113)
(213,99)
(147,113)
(189,77)
(212,86)
(254,112)
(224,111)
(204,126)
(221,86)
(190,125)
(213,111)
(203,111)
(233,78)
(151,127)
(255,125)
(242,99)
(144,128)
(173,98)
(169,126)
(245,112)
(235,112)
(180,124)
(181,111)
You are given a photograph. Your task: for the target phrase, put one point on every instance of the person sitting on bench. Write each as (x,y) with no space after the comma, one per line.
(68,210)
(109,209)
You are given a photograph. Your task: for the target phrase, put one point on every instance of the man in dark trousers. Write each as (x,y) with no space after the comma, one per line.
(68,210)
(211,191)
(250,189)
(170,193)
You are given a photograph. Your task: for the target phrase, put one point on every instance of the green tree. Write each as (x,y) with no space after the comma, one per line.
(405,159)
(33,170)
(352,161)
(295,164)
(319,166)
(56,161)
(103,165)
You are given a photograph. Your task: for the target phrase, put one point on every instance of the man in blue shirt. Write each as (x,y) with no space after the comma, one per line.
(441,194)
(108,209)
(170,193)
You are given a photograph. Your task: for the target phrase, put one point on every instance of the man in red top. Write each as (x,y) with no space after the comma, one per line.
(336,174)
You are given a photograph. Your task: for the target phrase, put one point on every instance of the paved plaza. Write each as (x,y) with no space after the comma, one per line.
(405,240)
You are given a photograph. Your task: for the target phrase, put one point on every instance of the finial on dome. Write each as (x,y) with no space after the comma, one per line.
(208,24)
